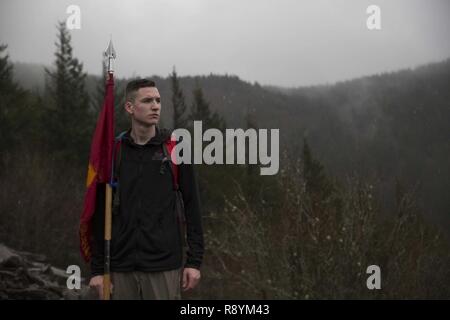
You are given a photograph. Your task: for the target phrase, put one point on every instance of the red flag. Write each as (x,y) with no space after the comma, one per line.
(99,168)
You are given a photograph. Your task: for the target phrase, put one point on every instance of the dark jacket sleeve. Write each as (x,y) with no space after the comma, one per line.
(98,232)
(194,230)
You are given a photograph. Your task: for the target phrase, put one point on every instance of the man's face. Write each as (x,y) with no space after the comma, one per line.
(146,107)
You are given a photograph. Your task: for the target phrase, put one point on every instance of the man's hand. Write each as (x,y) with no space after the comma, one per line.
(191,277)
(97,283)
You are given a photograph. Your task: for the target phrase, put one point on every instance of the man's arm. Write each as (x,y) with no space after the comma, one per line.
(194,230)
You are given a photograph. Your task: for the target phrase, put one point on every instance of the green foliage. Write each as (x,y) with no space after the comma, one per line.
(201,111)
(178,102)
(19,110)
(6,80)
(8,98)
(298,250)
(67,118)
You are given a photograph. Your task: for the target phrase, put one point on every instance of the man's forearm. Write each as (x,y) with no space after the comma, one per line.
(191,199)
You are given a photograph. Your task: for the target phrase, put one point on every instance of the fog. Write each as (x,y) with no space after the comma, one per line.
(286,42)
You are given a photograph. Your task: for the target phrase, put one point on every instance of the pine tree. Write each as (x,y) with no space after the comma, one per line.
(250,121)
(318,185)
(200,108)
(99,96)
(210,178)
(316,180)
(6,68)
(17,117)
(69,122)
(201,111)
(178,102)
(252,183)
(8,91)
(19,111)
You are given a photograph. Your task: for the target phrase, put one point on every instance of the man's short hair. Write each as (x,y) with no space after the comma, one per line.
(134,85)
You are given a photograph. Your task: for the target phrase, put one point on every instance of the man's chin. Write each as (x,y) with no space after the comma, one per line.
(149,123)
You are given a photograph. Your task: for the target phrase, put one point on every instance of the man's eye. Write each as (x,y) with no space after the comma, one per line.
(150,100)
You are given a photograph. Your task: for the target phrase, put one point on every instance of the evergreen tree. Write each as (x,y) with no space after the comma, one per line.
(99,96)
(318,185)
(315,177)
(6,76)
(250,121)
(252,178)
(201,111)
(210,178)
(19,110)
(200,107)
(69,122)
(178,102)
(8,92)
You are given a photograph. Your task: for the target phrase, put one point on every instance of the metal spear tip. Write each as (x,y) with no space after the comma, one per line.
(110,52)
(110,55)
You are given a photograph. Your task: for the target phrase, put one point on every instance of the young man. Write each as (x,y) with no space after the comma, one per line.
(146,246)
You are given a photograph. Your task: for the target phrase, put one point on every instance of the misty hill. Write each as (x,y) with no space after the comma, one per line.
(30,76)
(391,126)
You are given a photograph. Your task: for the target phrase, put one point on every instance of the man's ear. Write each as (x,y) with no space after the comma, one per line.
(129,107)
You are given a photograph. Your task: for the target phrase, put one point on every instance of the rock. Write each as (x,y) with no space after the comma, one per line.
(8,258)
(29,276)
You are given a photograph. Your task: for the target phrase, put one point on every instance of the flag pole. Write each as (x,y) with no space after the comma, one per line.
(110,54)
(108,223)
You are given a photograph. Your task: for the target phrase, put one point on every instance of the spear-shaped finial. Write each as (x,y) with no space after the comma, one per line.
(110,54)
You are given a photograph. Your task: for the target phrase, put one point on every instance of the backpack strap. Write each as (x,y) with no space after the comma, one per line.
(168,146)
(115,167)
(117,157)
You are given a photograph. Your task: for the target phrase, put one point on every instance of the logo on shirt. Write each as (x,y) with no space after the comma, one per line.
(158,155)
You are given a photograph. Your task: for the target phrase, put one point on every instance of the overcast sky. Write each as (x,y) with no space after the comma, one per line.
(277,42)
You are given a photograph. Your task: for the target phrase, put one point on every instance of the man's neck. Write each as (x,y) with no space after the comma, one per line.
(142,134)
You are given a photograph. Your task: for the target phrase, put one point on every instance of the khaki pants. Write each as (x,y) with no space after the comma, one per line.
(138,285)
